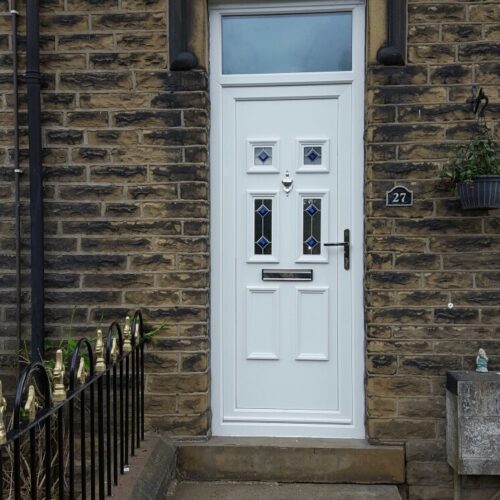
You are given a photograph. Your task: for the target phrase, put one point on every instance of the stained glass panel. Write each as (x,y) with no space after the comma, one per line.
(263,229)
(263,155)
(312,226)
(312,155)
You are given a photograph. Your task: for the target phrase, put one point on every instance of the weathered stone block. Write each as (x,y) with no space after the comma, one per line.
(423,33)
(417,261)
(397,75)
(435,12)
(96,81)
(66,136)
(155,262)
(85,42)
(398,428)
(438,53)
(473,416)
(447,281)
(456,315)
(176,81)
(479,51)
(180,100)
(153,297)
(451,73)
(88,118)
(484,13)
(109,137)
(422,297)
(130,21)
(472,261)
(382,364)
(433,407)
(393,280)
(119,173)
(429,473)
(91,5)
(141,40)
(51,23)
(116,101)
(168,384)
(461,32)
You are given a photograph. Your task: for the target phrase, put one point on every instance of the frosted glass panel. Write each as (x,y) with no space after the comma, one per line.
(287,43)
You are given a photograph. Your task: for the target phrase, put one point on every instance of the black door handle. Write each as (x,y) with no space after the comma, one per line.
(347,248)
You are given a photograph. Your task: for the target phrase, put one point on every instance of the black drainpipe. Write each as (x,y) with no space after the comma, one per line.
(17,170)
(36,176)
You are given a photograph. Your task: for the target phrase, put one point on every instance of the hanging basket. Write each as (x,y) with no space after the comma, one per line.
(482,192)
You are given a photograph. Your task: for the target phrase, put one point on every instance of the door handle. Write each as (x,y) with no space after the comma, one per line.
(347,248)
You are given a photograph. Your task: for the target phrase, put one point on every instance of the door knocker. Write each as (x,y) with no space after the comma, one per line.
(287,183)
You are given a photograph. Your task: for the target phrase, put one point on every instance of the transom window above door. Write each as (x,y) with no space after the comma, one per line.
(287,43)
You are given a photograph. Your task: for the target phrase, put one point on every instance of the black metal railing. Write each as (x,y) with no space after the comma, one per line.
(52,449)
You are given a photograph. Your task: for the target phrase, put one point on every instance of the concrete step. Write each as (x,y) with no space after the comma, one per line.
(291,460)
(276,491)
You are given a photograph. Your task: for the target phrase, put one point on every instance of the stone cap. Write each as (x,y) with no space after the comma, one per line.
(453,378)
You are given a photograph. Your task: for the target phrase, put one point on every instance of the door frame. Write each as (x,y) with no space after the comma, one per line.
(217,83)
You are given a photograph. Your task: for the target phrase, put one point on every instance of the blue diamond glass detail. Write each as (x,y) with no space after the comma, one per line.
(312,210)
(263,211)
(312,154)
(311,242)
(263,156)
(263,242)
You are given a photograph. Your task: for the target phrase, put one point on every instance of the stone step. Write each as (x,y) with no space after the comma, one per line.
(291,460)
(278,491)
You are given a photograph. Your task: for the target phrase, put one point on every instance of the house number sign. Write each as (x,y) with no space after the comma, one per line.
(399,196)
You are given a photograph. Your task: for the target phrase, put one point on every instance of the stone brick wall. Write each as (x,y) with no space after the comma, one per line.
(126,192)
(421,258)
(126,189)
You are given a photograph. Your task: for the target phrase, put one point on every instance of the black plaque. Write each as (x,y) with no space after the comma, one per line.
(399,196)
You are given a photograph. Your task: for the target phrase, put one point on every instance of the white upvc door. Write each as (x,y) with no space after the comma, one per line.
(287,179)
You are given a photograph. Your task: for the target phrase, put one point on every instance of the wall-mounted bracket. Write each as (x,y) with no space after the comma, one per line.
(479,102)
(394,52)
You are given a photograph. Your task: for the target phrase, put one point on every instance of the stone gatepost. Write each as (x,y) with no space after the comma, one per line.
(473,433)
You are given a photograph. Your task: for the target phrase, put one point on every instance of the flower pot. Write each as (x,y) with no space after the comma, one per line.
(482,192)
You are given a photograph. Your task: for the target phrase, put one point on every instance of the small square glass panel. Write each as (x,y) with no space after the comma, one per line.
(287,43)
(313,155)
(263,155)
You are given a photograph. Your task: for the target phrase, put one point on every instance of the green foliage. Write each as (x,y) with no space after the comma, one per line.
(481,156)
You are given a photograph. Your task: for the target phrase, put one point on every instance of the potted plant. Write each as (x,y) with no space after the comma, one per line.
(475,171)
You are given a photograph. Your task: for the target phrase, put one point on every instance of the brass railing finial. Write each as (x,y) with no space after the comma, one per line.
(81,374)
(31,405)
(3,409)
(127,334)
(137,335)
(59,393)
(113,354)
(100,365)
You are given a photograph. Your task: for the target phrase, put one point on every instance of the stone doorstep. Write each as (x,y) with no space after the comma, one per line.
(290,460)
(201,490)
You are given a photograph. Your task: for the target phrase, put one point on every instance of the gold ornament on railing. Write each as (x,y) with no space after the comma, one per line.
(81,373)
(59,393)
(137,333)
(127,334)
(31,405)
(100,365)
(3,409)
(113,354)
